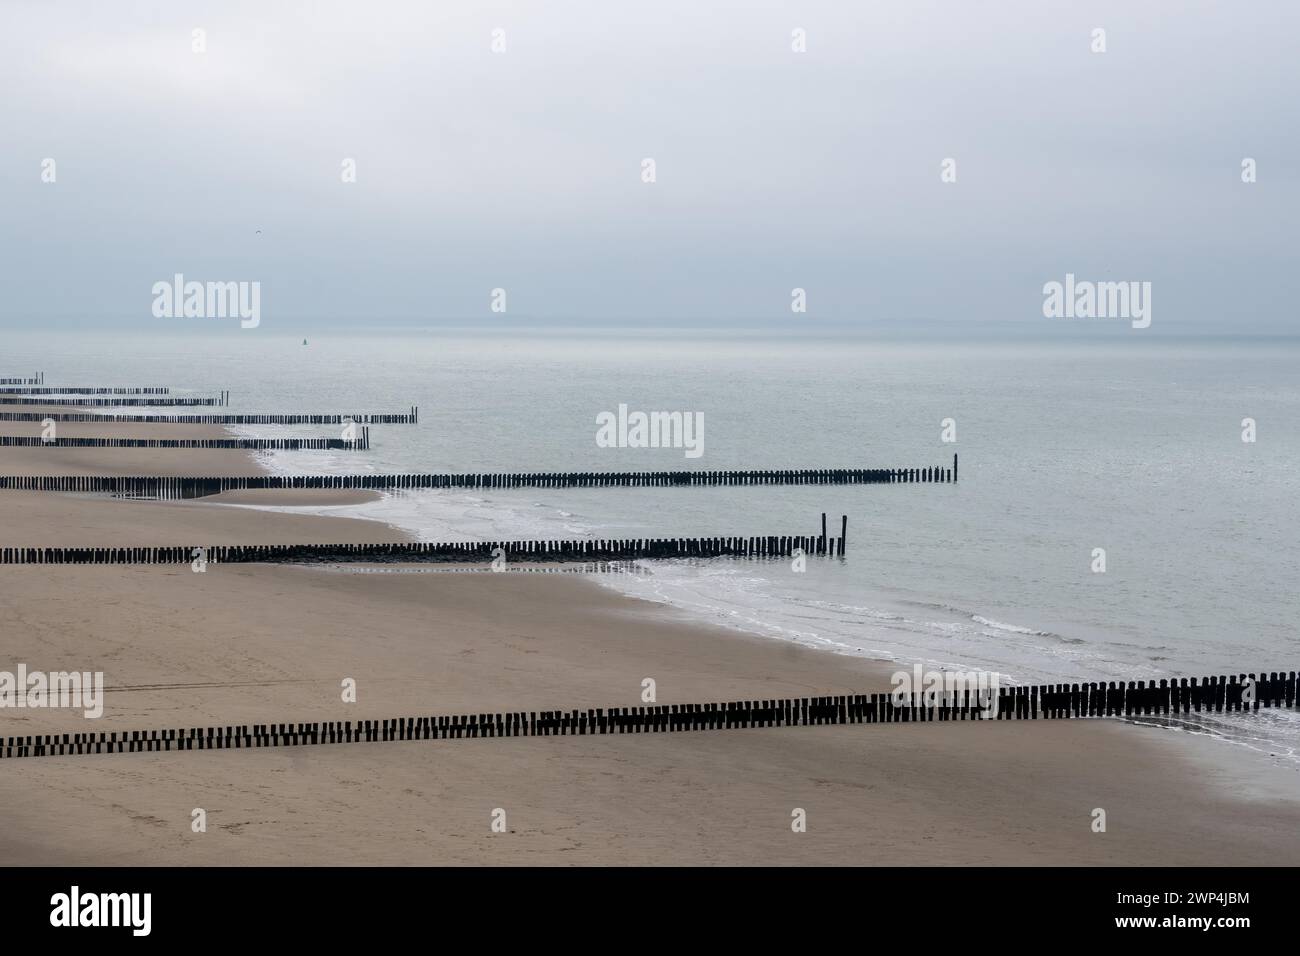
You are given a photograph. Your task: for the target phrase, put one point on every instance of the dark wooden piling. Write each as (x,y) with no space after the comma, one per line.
(194,486)
(125,401)
(213,418)
(1036,702)
(84,390)
(285,444)
(478,552)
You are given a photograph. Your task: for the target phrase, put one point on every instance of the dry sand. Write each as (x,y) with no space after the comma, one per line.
(249,643)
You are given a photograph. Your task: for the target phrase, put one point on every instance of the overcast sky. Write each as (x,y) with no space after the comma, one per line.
(775,169)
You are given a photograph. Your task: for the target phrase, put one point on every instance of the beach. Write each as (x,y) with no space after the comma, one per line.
(271,643)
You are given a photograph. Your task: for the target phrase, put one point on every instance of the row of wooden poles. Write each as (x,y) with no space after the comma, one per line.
(86,390)
(594,549)
(186,486)
(401,418)
(19,391)
(361,443)
(1048,701)
(576,567)
(158,400)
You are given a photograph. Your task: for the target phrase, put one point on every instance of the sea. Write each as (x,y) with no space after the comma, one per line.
(1120,447)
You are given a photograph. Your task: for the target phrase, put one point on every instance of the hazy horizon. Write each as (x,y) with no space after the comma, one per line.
(775,169)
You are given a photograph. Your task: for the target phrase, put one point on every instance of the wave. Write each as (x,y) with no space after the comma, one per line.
(1013,628)
(996,625)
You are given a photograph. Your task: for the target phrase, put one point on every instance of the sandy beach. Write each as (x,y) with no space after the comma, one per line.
(250,643)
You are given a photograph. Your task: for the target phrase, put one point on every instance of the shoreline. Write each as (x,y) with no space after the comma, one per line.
(319,502)
(262,643)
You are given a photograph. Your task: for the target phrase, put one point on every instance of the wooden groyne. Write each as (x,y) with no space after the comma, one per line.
(405,418)
(637,568)
(416,552)
(86,390)
(1172,697)
(125,402)
(39,379)
(171,486)
(362,442)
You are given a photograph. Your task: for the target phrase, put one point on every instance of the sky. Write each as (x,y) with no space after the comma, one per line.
(774,169)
